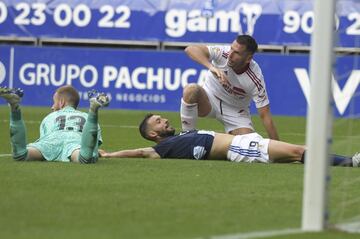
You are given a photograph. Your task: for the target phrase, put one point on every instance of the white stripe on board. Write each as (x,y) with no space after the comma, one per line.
(259,234)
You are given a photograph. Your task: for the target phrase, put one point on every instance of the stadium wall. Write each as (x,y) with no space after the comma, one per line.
(153,79)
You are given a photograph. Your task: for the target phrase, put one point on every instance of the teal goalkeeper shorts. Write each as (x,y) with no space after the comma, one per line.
(59,146)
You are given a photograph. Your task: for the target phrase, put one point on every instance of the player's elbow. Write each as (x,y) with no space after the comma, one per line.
(147,153)
(264,112)
(143,154)
(265,115)
(193,49)
(188,50)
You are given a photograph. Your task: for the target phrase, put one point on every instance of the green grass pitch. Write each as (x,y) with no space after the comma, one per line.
(142,198)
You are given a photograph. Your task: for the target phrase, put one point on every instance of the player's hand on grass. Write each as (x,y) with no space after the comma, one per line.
(219,74)
(103,153)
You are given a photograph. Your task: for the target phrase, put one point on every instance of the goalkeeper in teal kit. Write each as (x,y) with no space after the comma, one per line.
(66,134)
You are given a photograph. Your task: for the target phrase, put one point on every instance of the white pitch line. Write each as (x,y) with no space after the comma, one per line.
(259,234)
(353,227)
(5,155)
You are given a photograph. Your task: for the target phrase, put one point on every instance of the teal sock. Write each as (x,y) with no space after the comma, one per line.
(17,135)
(89,139)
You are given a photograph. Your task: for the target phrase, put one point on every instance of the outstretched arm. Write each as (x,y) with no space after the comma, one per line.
(131,153)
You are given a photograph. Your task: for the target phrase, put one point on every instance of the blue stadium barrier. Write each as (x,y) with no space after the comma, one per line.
(153,80)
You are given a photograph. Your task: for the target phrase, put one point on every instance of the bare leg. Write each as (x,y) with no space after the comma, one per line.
(194,103)
(75,156)
(281,152)
(34,155)
(195,94)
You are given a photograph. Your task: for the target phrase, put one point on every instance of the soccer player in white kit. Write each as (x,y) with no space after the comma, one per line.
(233,80)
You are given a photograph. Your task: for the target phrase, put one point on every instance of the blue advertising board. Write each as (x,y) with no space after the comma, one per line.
(281,22)
(154,80)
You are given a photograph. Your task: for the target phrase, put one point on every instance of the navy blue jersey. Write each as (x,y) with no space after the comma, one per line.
(187,145)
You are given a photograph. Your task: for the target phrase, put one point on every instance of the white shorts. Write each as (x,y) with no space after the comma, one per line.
(228,115)
(249,148)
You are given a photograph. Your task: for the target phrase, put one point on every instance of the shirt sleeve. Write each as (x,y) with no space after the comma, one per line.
(161,149)
(259,94)
(218,54)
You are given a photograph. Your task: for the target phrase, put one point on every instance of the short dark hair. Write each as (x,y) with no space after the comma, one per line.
(70,94)
(249,42)
(143,127)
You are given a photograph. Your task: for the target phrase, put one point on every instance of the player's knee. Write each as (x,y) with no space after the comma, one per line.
(191,93)
(298,152)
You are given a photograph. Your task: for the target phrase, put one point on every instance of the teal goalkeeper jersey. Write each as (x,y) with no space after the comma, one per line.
(68,120)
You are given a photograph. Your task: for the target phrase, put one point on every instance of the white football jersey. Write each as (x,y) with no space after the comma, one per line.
(243,87)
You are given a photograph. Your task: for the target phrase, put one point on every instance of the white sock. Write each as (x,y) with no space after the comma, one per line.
(189,115)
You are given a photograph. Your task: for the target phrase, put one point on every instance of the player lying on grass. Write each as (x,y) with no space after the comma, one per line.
(66,135)
(200,144)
